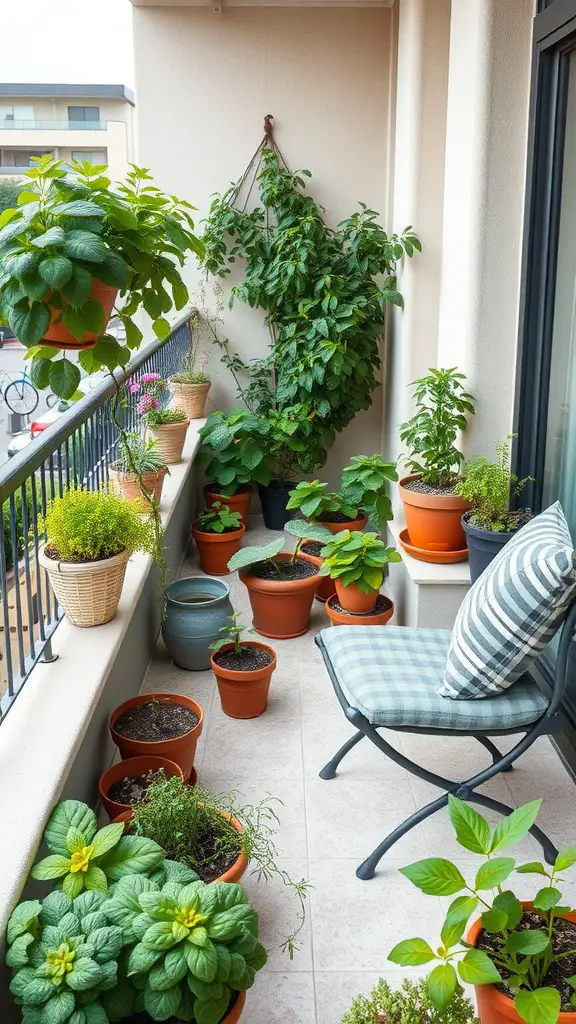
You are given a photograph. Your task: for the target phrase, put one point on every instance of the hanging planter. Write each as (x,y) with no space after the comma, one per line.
(58,335)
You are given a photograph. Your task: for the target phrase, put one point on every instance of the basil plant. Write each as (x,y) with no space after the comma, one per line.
(524,956)
(85,857)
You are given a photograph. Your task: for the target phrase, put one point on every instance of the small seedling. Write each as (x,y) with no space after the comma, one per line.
(231,634)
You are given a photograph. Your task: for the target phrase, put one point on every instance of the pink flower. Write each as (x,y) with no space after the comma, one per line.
(146,404)
(147,378)
(134,387)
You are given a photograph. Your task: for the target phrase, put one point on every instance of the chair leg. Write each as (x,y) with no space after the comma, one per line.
(368,867)
(549,850)
(493,750)
(329,770)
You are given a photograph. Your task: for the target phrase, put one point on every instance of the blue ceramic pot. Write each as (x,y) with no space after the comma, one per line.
(197,606)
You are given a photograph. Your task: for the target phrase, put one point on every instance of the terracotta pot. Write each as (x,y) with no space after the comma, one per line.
(234,873)
(216,549)
(348,619)
(356,524)
(170,438)
(132,767)
(435,557)
(190,398)
(325,586)
(239,502)
(128,486)
(180,749)
(353,599)
(281,608)
(244,694)
(58,335)
(493,1006)
(433,521)
(89,592)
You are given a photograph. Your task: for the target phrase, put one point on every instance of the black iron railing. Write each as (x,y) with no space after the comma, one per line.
(76,451)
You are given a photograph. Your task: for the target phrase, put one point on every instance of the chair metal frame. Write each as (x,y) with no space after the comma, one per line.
(547,724)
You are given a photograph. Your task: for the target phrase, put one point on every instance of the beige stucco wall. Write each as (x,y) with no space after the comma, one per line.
(324,73)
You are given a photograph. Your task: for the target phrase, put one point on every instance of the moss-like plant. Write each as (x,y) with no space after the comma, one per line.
(87,526)
(360,558)
(489,487)
(409,1004)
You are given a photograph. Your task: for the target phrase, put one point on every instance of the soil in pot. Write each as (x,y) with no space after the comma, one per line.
(243,678)
(420,487)
(155,721)
(297,570)
(249,660)
(130,790)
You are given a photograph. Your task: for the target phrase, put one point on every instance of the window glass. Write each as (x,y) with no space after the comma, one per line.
(83,113)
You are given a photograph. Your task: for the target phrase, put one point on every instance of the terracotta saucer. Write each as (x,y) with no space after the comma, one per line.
(438,557)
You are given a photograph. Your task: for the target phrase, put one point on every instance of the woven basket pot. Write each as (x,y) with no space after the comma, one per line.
(88,592)
(128,486)
(170,438)
(190,398)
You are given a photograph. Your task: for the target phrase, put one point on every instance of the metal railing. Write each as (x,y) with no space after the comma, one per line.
(75,451)
(49,124)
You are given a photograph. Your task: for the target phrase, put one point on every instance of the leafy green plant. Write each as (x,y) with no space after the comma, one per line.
(71,228)
(217,518)
(138,454)
(442,406)
(360,558)
(158,417)
(489,486)
(87,526)
(194,827)
(410,1004)
(254,553)
(232,631)
(519,954)
(9,192)
(233,454)
(85,857)
(314,502)
(363,491)
(64,955)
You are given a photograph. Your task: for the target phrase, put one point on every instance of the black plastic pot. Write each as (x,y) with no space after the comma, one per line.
(483,546)
(274,499)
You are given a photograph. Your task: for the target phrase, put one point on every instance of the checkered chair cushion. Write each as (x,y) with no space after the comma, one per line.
(391,674)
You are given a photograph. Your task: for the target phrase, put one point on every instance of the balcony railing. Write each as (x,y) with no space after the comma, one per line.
(76,451)
(49,124)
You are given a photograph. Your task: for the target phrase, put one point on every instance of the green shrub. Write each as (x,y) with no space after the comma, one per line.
(410,1004)
(489,486)
(233,452)
(157,417)
(87,526)
(442,405)
(360,558)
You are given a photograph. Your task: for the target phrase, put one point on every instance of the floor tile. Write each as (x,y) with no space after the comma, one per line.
(285,797)
(281,999)
(255,748)
(278,909)
(323,734)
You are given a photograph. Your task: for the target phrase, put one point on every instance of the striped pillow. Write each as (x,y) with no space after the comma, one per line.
(513,610)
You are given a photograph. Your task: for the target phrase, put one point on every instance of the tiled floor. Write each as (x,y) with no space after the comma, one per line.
(328,827)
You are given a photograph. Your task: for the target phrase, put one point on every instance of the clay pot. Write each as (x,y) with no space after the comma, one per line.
(325,586)
(128,486)
(281,608)
(132,767)
(216,549)
(89,592)
(435,557)
(180,749)
(493,1006)
(433,521)
(239,502)
(234,873)
(353,599)
(244,694)
(170,438)
(355,524)
(58,335)
(190,398)
(348,619)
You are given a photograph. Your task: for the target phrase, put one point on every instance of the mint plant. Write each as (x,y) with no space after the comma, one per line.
(314,502)
(442,406)
(217,518)
(360,558)
(519,954)
(363,492)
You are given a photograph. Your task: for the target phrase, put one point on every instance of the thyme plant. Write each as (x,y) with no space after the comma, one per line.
(489,487)
(409,1004)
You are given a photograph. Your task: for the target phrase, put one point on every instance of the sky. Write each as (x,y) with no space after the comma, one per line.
(84,41)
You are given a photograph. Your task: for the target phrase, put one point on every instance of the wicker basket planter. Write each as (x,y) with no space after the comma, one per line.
(88,592)
(128,486)
(190,398)
(170,438)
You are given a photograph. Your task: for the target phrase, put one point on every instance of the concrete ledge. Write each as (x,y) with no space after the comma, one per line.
(57,729)
(425,594)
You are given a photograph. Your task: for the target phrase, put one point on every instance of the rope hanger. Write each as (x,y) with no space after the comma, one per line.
(268,142)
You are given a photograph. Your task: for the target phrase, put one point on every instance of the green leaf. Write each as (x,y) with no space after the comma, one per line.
(511,906)
(308,531)
(476,968)
(533,867)
(442,983)
(73,884)
(54,907)
(54,236)
(547,898)
(494,872)
(542,1006)
(74,321)
(179,293)
(472,830)
(95,1014)
(64,378)
(55,866)
(17,955)
(93,316)
(142,959)
(29,321)
(159,935)
(412,953)
(23,919)
(203,962)
(85,974)
(56,271)
(58,1009)
(176,964)
(251,555)
(77,289)
(38,991)
(79,208)
(527,942)
(133,855)
(565,859)
(114,270)
(161,328)
(40,373)
(106,838)
(133,333)
(162,1005)
(95,880)
(435,876)
(494,920)
(515,826)
(84,245)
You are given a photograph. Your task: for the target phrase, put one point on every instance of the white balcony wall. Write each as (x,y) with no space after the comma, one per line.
(115,139)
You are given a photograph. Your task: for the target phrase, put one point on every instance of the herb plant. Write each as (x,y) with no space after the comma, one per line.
(138,455)
(254,553)
(363,492)
(518,954)
(410,1004)
(85,857)
(489,486)
(360,558)
(71,228)
(232,631)
(442,406)
(234,453)
(217,518)
(312,499)
(64,955)
(87,526)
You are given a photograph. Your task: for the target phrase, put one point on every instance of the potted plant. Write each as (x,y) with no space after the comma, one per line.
(357,562)
(243,669)
(233,456)
(168,427)
(489,525)
(409,1004)
(432,508)
(218,533)
(139,472)
(280,585)
(519,955)
(190,386)
(71,245)
(164,725)
(127,782)
(90,537)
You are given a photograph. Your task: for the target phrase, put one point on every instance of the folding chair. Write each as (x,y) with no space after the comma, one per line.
(387,677)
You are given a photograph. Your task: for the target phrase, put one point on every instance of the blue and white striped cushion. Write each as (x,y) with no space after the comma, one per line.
(513,610)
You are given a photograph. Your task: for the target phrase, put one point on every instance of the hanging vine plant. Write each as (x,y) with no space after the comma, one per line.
(324,292)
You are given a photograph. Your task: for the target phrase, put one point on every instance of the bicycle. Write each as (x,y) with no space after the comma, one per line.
(20,394)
